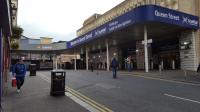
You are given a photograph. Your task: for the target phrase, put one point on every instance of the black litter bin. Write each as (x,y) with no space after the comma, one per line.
(57,83)
(32,69)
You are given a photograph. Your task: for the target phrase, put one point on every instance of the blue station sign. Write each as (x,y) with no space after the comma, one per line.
(146,13)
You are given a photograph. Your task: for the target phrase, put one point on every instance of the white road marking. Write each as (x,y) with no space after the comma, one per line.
(185,99)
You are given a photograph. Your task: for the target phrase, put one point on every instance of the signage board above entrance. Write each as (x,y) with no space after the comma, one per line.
(142,14)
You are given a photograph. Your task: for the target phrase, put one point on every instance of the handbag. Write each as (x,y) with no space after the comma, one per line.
(14,82)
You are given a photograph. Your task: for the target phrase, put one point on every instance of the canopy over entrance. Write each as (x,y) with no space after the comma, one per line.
(159,21)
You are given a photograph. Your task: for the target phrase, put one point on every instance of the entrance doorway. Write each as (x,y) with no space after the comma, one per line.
(166,53)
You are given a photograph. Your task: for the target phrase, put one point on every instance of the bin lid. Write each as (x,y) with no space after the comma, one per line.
(58,70)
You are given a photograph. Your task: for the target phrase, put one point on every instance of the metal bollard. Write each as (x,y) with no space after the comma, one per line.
(160,69)
(173,65)
(185,73)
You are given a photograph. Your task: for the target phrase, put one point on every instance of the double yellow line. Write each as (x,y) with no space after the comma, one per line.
(89,101)
(83,98)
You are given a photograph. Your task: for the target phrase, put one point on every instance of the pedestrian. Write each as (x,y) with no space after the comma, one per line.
(91,65)
(129,63)
(19,72)
(114,65)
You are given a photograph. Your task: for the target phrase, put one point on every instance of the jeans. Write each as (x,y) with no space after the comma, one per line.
(114,72)
(129,68)
(20,82)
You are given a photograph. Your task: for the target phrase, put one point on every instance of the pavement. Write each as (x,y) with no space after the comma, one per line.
(136,91)
(35,97)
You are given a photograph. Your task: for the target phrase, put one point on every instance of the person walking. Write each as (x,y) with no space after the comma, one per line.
(19,72)
(114,65)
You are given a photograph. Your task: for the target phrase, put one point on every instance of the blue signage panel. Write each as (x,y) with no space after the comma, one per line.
(146,13)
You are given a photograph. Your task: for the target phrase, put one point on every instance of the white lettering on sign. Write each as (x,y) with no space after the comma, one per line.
(167,15)
(46,47)
(100,32)
(79,40)
(186,20)
(190,21)
(113,23)
(88,36)
(148,41)
(116,25)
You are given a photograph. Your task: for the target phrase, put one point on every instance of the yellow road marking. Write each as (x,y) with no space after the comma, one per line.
(85,99)
(100,109)
(89,99)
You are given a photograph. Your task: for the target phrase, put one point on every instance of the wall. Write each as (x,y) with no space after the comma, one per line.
(46,40)
(187,6)
(188,57)
(58,46)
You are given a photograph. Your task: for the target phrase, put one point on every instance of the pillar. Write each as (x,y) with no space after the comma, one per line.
(86,58)
(146,50)
(56,62)
(107,55)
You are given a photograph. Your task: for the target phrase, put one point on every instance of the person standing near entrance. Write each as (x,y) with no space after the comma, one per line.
(114,65)
(129,64)
(19,71)
(91,65)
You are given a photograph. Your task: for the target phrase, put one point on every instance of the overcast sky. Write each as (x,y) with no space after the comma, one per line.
(58,19)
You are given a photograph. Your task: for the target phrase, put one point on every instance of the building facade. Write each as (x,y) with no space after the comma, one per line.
(151,33)
(6,23)
(39,51)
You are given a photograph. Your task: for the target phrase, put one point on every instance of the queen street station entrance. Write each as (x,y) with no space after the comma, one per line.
(173,36)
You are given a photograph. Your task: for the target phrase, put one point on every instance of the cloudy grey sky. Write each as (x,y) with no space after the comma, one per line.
(58,19)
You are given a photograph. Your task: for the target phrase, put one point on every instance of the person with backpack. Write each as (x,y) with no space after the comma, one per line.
(114,65)
(19,72)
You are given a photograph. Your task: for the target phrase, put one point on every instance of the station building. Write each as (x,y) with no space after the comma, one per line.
(148,34)
(40,51)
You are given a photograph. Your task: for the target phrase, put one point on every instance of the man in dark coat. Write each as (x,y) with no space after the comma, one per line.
(114,65)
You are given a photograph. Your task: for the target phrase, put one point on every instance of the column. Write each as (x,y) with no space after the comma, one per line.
(86,58)
(107,55)
(146,50)
(56,62)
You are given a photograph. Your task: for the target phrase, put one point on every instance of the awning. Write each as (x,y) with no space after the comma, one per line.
(142,14)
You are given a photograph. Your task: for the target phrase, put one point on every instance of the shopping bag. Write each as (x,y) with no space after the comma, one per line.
(14,82)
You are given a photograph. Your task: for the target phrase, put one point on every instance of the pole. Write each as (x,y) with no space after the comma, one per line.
(107,54)
(146,50)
